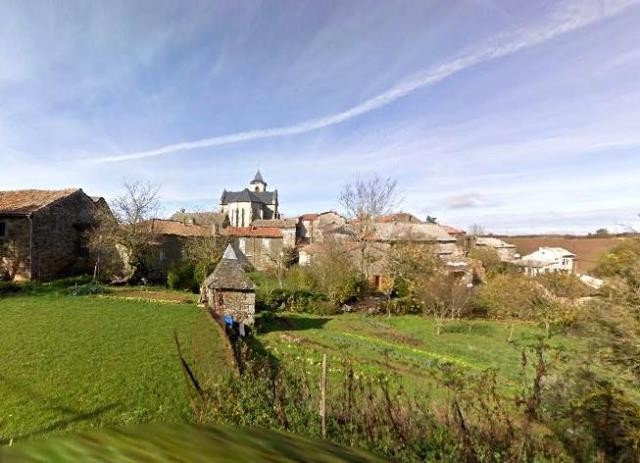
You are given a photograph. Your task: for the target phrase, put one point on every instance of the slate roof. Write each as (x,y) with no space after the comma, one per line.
(257,178)
(171,227)
(248,196)
(24,202)
(200,218)
(275,223)
(229,274)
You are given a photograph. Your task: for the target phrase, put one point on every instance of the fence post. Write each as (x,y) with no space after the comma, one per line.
(323,397)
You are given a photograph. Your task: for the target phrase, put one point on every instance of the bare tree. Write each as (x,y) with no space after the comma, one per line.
(279,262)
(476,230)
(127,227)
(363,201)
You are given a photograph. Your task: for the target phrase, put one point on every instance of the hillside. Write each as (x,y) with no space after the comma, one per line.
(587,248)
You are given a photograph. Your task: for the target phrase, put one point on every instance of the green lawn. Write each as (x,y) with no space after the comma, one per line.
(90,361)
(405,345)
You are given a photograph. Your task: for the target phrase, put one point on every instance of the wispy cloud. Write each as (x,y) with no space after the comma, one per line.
(567,18)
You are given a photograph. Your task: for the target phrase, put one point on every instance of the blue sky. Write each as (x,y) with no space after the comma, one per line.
(519,116)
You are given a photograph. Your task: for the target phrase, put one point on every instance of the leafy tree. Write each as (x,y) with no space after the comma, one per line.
(334,273)
(490,260)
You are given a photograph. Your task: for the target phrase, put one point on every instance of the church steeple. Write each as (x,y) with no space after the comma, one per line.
(258,184)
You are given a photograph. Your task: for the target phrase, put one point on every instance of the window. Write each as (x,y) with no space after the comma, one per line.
(243,217)
(3,229)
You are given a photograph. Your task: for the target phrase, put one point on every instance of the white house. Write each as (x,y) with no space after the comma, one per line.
(546,260)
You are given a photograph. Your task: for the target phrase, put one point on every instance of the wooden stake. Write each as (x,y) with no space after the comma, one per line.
(323,397)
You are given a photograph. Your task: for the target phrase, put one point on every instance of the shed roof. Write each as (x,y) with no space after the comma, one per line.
(24,202)
(229,274)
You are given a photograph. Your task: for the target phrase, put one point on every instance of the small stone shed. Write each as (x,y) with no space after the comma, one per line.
(228,290)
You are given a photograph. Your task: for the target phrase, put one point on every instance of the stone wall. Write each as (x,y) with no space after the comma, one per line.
(59,237)
(260,251)
(241,305)
(14,249)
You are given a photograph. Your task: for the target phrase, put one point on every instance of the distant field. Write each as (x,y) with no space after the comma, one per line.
(587,249)
(72,363)
(404,345)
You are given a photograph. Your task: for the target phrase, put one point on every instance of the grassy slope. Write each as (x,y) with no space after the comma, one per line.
(183,443)
(407,344)
(80,362)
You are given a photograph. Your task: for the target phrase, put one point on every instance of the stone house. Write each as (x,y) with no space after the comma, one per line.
(228,290)
(43,233)
(252,203)
(169,240)
(288,227)
(260,245)
(216,220)
(313,227)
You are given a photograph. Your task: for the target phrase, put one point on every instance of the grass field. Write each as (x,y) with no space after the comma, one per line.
(405,345)
(72,363)
(182,443)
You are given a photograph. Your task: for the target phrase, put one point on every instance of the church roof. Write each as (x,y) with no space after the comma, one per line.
(229,274)
(248,196)
(257,178)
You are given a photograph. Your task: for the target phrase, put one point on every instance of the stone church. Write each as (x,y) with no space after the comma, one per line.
(252,203)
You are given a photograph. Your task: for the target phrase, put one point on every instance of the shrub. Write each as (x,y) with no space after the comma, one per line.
(292,300)
(10,287)
(181,276)
(564,285)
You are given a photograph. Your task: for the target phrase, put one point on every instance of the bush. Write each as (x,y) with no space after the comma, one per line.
(182,276)
(564,285)
(509,296)
(10,287)
(291,300)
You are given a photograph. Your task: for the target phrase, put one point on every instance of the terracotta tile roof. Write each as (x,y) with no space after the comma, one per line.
(171,227)
(24,202)
(256,232)
(402,217)
(453,231)
(309,217)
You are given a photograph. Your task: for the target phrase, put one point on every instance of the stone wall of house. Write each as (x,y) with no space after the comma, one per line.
(241,305)
(59,237)
(166,255)
(260,251)
(14,249)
